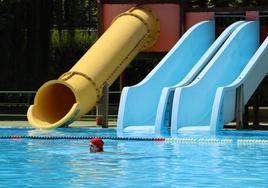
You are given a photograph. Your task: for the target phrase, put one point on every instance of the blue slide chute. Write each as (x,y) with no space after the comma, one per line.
(193,105)
(163,116)
(249,79)
(138,104)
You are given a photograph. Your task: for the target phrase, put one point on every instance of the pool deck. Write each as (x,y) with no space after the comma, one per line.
(112,124)
(76,124)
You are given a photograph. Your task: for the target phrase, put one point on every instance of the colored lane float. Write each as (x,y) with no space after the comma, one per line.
(167,140)
(78,138)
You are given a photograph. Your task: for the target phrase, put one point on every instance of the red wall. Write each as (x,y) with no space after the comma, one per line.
(252,15)
(168,15)
(195,17)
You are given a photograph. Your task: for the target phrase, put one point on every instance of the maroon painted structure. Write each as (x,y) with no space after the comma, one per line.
(176,17)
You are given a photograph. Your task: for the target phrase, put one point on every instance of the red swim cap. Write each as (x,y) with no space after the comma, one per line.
(97,142)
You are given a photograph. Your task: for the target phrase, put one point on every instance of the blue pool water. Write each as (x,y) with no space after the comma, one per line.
(68,163)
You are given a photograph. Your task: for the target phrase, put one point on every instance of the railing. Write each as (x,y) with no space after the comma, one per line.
(14,105)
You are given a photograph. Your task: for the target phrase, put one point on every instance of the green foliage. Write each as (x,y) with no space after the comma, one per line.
(226,3)
(74,31)
(66,48)
(41,39)
(82,39)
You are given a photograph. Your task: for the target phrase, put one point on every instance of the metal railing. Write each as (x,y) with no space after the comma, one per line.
(14,105)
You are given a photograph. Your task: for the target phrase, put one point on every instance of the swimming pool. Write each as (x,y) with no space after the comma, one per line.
(68,163)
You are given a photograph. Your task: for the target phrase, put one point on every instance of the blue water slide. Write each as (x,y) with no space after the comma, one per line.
(163,116)
(138,104)
(193,104)
(249,79)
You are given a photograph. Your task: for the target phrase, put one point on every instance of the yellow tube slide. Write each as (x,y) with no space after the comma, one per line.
(60,102)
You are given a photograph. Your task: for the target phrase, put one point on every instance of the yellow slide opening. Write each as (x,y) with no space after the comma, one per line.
(60,102)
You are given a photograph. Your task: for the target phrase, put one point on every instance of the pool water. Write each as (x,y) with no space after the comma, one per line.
(68,163)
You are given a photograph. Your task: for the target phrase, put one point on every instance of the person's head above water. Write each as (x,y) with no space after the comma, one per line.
(96,145)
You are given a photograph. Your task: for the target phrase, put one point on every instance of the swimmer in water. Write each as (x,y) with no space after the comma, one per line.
(96,145)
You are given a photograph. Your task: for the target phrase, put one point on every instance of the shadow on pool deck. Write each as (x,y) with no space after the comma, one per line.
(76,124)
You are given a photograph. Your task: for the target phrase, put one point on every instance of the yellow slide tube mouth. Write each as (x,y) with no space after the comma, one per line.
(55,104)
(60,102)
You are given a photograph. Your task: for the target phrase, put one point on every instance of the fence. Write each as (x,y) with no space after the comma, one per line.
(14,105)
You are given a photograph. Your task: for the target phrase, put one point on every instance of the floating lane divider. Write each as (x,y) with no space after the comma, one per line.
(207,140)
(216,140)
(184,140)
(78,138)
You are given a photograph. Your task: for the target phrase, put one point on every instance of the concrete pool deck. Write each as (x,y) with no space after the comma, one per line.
(76,124)
(112,124)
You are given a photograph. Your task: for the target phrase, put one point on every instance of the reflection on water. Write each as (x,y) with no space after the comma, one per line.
(68,163)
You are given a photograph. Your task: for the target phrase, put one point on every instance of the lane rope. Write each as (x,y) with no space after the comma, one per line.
(79,138)
(160,139)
